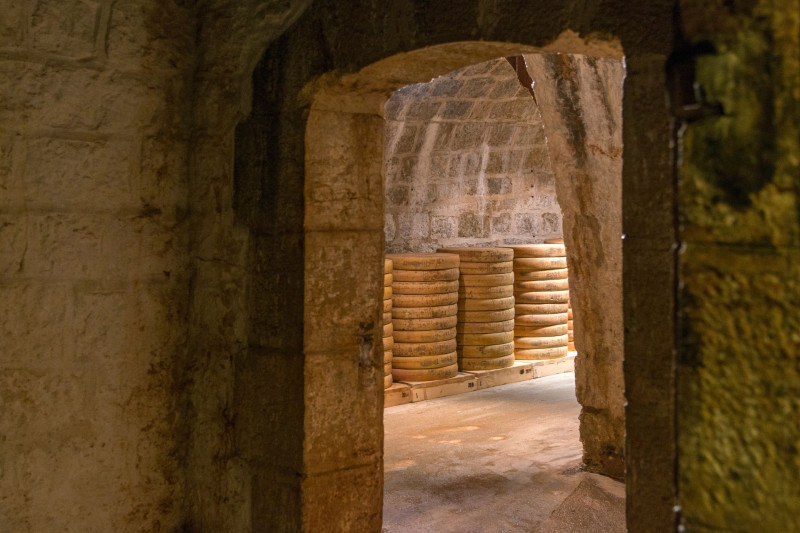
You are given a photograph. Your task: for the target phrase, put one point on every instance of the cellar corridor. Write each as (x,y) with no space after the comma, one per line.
(500,459)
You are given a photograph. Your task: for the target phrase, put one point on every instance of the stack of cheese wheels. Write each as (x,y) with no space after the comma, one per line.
(485,308)
(388,338)
(541,293)
(570,329)
(424,306)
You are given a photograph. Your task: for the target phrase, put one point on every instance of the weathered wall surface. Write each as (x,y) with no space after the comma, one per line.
(467,163)
(244,402)
(95,108)
(581,104)
(739,365)
(170,434)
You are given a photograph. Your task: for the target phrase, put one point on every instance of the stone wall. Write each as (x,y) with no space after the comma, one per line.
(95,121)
(467,163)
(127,326)
(739,359)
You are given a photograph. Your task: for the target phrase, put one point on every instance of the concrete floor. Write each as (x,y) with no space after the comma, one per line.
(504,459)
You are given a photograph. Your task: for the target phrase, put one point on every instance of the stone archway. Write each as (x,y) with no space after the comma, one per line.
(281,463)
(345,244)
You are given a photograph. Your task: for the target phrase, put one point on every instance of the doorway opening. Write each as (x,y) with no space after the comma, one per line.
(467,164)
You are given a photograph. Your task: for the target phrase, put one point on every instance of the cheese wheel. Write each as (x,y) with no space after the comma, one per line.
(423,261)
(540,342)
(541,275)
(541,353)
(485,363)
(543,285)
(485,327)
(540,309)
(387,367)
(539,250)
(554,241)
(483,339)
(543,297)
(448,274)
(570,322)
(489,350)
(485,304)
(486,280)
(424,287)
(429,374)
(417,349)
(570,312)
(527,264)
(571,346)
(387,280)
(388,343)
(387,266)
(424,324)
(433,335)
(388,329)
(480,255)
(387,317)
(387,292)
(503,267)
(424,300)
(554,319)
(425,361)
(486,316)
(503,291)
(540,331)
(387,381)
(387,305)
(425,312)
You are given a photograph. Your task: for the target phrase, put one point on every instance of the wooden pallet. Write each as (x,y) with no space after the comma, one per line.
(428,390)
(397,394)
(520,371)
(402,392)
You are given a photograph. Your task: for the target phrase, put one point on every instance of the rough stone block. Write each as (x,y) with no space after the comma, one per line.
(444,134)
(355,505)
(407,134)
(501,224)
(501,134)
(65,27)
(397,196)
(467,136)
(455,110)
(536,158)
(498,185)
(40,341)
(12,22)
(151,34)
(508,88)
(344,280)
(472,225)
(162,177)
(420,110)
(344,188)
(79,174)
(87,99)
(445,88)
(443,227)
(476,88)
(469,187)
(343,405)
